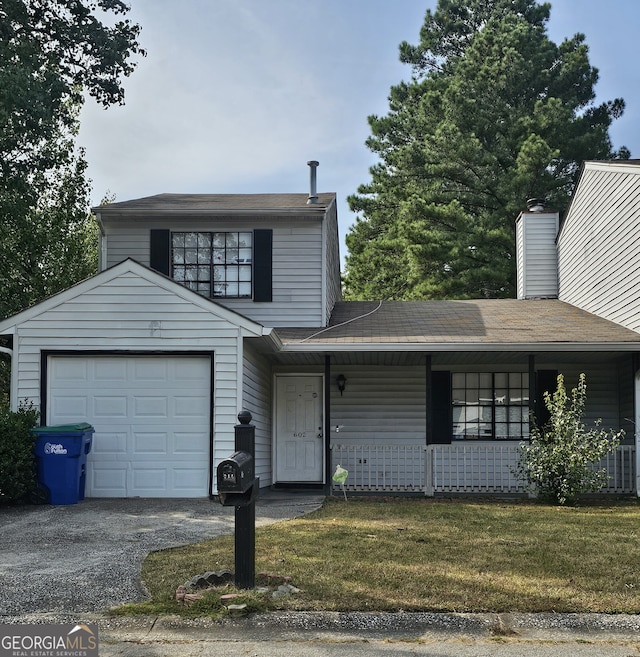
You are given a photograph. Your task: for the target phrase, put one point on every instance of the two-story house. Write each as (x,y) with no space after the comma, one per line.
(205,305)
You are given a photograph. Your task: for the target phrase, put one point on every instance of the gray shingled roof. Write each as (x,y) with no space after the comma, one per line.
(490,321)
(203,203)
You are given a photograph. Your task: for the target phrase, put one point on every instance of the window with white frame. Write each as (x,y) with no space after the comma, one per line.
(215,265)
(490,406)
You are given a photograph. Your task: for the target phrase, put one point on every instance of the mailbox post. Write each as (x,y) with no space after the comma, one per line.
(238,486)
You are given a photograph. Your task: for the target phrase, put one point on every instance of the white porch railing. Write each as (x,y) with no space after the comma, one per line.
(482,468)
(472,468)
(391,468)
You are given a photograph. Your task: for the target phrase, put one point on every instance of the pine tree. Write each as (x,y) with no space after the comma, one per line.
(494,113)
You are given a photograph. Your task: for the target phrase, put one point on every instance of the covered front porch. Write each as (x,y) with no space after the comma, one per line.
(452,423)
(436,397)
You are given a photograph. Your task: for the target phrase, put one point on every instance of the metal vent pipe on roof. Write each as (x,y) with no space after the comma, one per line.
(536,204)
(313,188)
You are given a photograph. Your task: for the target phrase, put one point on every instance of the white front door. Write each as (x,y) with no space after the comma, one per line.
(299,430)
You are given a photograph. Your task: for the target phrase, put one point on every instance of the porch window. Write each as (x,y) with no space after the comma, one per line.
(488,406)
(215,265)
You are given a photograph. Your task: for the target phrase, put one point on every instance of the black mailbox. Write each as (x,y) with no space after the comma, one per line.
(236,474)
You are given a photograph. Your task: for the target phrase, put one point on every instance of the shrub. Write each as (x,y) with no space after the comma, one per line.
(18,474)
(558,463)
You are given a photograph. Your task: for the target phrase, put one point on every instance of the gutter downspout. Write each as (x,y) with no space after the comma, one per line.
(12,394)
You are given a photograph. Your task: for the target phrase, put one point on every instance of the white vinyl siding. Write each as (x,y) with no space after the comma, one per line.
(127,239)
(603,391)
(379,405)
(131,313)
(333,284)
(256,398)
(297,274)
(386,405)
(599,245)
(536,255)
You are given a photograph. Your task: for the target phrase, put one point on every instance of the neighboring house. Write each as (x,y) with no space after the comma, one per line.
(209,304)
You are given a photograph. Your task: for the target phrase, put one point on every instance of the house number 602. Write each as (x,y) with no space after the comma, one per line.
(301,434)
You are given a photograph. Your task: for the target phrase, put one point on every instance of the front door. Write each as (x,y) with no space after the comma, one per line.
(299,430)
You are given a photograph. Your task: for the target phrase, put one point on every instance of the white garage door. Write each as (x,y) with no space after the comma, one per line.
(151,416)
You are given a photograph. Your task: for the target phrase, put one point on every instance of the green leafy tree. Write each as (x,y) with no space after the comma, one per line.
(494,113)
(53,53)
(560,461)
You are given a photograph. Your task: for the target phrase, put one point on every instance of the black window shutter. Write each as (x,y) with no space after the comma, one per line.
(159,251)
(262,265)
(546,381)
(441,409)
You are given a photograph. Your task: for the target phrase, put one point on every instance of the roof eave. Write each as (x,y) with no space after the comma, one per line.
(147,212)
(460,346)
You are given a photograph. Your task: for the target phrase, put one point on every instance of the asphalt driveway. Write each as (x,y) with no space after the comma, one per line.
(87,557)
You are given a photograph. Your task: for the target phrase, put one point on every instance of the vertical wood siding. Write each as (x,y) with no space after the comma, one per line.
(297,263)
(599,245)
(256,398)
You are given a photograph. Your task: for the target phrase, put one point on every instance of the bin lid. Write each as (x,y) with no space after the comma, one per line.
(80,427)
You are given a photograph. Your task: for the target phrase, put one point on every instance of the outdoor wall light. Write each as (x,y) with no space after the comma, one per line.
(341,382)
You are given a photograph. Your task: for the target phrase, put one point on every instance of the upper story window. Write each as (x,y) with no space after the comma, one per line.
(216,265)
(489,406)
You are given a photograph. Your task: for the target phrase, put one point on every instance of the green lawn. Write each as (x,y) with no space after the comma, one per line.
(426,555)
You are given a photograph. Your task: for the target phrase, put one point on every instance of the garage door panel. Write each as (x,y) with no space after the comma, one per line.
(108,480)
(188,480)
(150,443)
(150,370)
(190,407)
(72,405)
(110,407)
(105,442)
(109,370)
(155,407)
(190,444)
(151,417)
(76,371)
(150,481)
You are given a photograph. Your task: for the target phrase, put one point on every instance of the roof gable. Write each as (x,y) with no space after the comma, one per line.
(126,270)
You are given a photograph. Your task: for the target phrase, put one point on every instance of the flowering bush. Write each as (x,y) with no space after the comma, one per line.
(558,463)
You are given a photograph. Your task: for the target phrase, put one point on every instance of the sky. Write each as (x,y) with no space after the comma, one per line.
(236,96)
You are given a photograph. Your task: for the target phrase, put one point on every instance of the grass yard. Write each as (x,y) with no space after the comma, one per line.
(428,555)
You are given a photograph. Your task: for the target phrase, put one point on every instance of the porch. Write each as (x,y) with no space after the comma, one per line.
(465,468)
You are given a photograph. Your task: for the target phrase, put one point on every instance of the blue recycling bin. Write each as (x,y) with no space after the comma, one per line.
(61,455)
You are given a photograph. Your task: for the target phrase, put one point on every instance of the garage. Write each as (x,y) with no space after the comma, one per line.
(152,420)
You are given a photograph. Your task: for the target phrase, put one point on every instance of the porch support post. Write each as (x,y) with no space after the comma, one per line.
(636,403)
(327,421)
(532,385)
(428,453)
(428,401)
